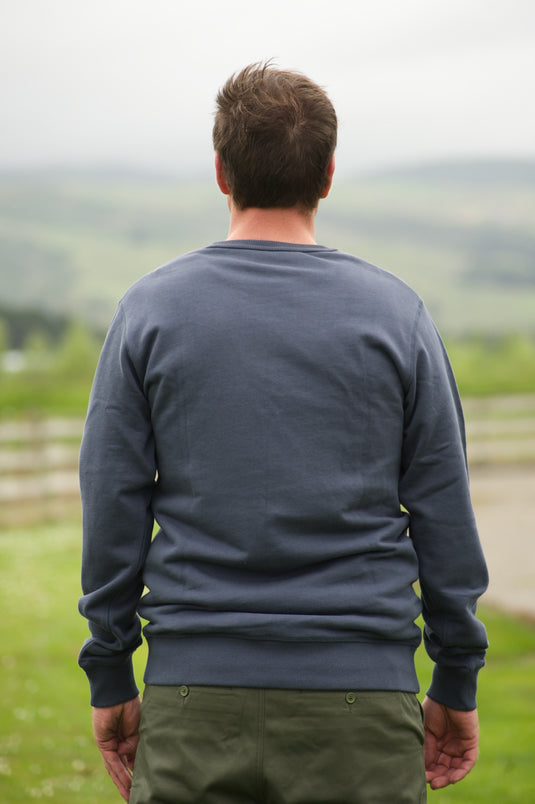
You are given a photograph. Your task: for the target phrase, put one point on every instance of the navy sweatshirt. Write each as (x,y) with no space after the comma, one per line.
(288,417)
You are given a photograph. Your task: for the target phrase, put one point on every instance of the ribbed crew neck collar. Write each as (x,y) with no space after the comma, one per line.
(269,245)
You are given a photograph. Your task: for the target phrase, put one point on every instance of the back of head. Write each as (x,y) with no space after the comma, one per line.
(275,132)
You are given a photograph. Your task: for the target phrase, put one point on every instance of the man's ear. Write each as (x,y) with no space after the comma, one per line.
(220,175)
(329,181)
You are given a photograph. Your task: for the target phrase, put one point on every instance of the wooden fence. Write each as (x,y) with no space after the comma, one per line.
(500,430)
(39,470)
(39,457)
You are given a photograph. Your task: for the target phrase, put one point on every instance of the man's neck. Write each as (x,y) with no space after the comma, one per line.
(283,225)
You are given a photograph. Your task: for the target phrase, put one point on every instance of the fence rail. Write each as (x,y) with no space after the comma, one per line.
(39,469)
(39,457)
(500,430)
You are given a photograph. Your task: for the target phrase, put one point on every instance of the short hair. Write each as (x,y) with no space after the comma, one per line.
(275,132)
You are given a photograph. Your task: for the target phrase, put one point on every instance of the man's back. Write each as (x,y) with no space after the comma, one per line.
(278,379)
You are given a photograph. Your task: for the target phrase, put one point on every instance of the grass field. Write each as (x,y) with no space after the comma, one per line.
(46,749)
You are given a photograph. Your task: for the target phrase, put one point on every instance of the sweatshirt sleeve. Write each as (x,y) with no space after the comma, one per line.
(434,488)
(117,476)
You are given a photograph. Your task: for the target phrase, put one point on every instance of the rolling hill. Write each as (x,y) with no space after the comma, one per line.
(463,235)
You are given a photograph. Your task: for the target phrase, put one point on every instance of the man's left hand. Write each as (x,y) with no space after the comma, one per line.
(451,741)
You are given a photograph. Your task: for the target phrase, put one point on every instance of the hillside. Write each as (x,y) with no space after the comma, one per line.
(462,235)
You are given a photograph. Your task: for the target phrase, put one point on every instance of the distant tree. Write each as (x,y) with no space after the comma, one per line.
(4,344)
(37,352)
(22,322)
(77,354)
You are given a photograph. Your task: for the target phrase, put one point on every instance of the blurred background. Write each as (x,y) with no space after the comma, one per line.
(106,173)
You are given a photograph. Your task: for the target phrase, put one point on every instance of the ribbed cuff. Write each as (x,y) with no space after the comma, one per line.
(454,688)
(111,684)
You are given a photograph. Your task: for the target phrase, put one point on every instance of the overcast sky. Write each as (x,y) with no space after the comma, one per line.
(132,82)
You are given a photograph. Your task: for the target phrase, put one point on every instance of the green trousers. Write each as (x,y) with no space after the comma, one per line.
(226,745)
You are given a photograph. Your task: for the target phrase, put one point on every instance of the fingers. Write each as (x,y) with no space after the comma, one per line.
(119,773)
(444,769)
(127,752)
(116,730)
(120,765)
(451,740)
(439,777)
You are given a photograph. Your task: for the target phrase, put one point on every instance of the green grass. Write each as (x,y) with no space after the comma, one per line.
(484,367)
(46,749)
(42,395)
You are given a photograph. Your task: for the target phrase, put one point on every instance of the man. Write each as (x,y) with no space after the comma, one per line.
(287,415)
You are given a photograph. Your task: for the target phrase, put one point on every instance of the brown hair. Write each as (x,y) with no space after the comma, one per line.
(275,132)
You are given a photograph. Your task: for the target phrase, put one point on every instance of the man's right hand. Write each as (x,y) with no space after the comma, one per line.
(451,740)
(116,730)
